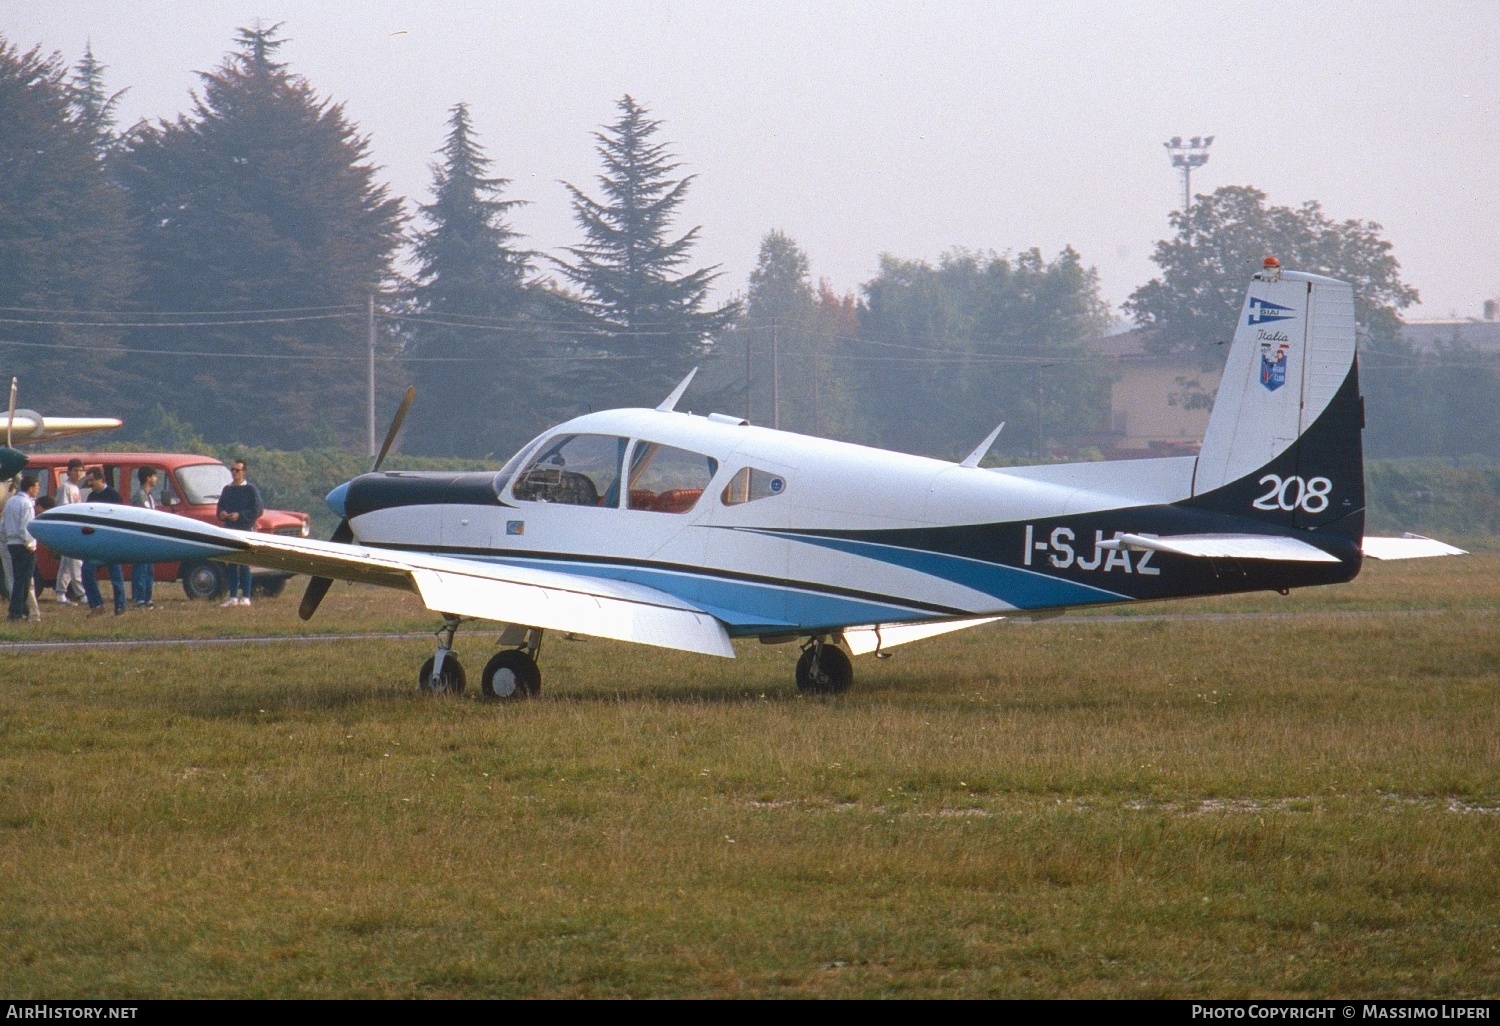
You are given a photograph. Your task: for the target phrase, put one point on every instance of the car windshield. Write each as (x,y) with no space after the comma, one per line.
(202,482)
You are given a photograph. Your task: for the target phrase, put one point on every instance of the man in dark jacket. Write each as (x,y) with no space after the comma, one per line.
(103,491)
(240,506)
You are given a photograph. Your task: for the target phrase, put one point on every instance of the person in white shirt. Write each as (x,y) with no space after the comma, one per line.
(20,510)
(69,586)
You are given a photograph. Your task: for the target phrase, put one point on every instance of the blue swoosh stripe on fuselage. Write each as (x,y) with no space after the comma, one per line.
(1023,589)
(746,607)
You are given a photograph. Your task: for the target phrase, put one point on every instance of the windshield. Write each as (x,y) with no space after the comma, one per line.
(202,482)
(513,464)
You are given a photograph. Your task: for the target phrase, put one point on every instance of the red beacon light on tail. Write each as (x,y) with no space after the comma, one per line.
(1270,269)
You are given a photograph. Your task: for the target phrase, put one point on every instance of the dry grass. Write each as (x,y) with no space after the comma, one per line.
(1289,806)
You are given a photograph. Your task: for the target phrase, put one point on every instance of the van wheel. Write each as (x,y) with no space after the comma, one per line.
(267,587)
(203,581)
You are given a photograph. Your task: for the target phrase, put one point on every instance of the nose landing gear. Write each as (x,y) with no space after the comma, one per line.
(443,674)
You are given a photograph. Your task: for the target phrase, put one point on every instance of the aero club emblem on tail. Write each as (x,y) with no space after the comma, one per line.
(1273,365)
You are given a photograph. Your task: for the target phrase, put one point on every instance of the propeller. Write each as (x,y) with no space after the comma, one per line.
(12,460)
(344,534)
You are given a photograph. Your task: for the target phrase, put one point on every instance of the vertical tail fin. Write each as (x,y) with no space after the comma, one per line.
(1283,442)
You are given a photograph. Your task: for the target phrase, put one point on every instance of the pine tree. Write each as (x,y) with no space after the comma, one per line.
(93,104)
(478,395)
(262,198)
(628,265)
(781,284)
(63,244)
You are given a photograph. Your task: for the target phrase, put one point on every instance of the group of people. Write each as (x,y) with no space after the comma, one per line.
(240,505)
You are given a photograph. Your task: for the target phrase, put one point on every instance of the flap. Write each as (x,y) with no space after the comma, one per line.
(881,636)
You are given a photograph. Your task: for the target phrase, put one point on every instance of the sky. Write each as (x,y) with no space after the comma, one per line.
(908,128)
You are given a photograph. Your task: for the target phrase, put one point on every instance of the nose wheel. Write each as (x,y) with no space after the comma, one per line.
(443,674)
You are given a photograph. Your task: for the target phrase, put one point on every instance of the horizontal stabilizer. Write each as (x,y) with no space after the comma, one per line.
(1225,546)
(1408,546)
(881,636)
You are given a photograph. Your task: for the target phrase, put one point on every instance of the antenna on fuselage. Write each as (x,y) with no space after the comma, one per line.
(972,460)
(670,402)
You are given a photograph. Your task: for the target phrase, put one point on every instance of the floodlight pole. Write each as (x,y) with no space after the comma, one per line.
(1186,156)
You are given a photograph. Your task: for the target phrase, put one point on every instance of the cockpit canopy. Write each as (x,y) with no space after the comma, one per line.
(590,470)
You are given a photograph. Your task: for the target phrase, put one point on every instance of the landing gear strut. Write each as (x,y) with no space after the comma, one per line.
(824,669)
(513,673)
(443,674)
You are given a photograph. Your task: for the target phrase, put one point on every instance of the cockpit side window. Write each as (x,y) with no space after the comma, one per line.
(664,479)
(575,470)
(749,484)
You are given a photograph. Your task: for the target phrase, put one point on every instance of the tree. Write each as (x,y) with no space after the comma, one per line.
(628,266)
(1222,241)
(781,284)
(261,199)
(64,252)
(480,394)
(952,349)
(93,104)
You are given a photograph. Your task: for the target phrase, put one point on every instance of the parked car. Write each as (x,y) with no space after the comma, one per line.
(187,485)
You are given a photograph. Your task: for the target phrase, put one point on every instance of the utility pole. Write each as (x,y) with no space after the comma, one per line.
(370,419)
(748,381)
(1040,444)
(1185,157)
(775,377)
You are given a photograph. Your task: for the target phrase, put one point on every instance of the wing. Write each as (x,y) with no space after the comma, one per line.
(548,599)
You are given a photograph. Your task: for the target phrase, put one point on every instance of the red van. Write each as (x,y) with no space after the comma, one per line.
(186,485)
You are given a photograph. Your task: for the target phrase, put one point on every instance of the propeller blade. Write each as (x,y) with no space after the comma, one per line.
(11,423)
(318,586)
(390,436)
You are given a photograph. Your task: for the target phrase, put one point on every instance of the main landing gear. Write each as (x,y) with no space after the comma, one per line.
(513,673)
(510,674)
(823,669)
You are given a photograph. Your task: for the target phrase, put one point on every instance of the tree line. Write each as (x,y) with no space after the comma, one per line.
(216,269)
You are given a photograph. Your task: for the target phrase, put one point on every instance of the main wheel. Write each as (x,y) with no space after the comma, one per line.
(511,674)
(450,682)
(824,670)
(203,581)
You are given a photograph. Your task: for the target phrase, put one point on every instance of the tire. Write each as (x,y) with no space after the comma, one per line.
(267,587)
(832,675)
(511,675)
(203,581)
(450,682)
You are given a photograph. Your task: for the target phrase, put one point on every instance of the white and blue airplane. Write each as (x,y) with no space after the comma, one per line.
(686,532)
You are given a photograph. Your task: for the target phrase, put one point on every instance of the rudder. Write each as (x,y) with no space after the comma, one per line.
(1284,440)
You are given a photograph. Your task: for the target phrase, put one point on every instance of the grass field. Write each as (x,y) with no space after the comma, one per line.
(1294,805)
